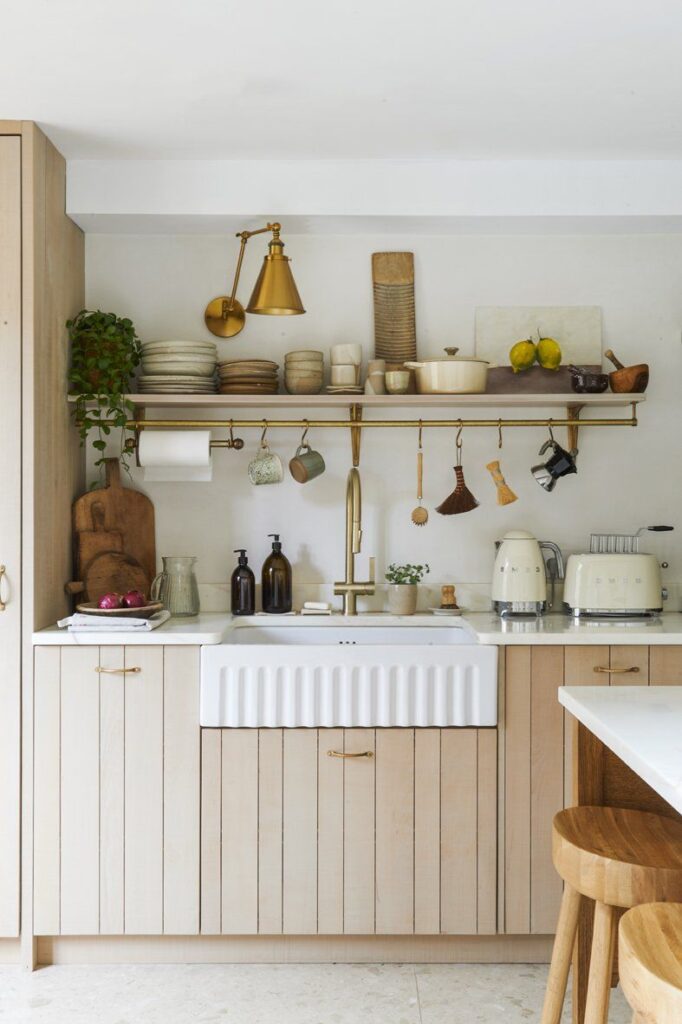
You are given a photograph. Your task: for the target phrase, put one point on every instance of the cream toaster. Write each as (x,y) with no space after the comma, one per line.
(613,585)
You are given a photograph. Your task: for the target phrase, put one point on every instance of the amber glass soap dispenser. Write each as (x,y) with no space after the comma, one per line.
(276,580)
(243,586)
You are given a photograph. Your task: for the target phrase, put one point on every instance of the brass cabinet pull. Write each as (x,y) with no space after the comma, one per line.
(3,604)
(615,671)
(339,753)
(117,671)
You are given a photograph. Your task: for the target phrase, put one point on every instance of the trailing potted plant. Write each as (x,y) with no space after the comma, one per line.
(402,592)
(105,352)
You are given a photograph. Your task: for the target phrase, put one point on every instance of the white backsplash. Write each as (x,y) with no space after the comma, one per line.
(627,477)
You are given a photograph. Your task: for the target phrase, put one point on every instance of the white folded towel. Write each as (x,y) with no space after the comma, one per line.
(81,623)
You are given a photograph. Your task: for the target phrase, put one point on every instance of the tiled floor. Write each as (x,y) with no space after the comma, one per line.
(299,994)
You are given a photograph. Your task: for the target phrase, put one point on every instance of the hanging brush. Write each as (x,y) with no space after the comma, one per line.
(461,499)
(505,495)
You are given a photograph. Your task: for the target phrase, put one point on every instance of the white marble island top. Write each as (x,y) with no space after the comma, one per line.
(642,725)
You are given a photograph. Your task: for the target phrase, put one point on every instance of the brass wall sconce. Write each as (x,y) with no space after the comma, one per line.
(275,292)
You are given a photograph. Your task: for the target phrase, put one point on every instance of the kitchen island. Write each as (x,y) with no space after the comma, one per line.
(627,752)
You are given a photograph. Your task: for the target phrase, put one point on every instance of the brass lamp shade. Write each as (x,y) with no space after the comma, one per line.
(275,292)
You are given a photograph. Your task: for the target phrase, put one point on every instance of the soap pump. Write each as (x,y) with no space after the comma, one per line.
(243,586)
(276,580)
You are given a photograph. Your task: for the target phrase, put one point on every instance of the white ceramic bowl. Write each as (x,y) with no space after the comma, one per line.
(304,355)
(343,375)
(192,367)
(345,354)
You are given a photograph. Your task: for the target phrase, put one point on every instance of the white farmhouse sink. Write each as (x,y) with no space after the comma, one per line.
(290,676)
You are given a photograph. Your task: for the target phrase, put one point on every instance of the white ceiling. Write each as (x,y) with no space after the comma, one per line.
(485,79)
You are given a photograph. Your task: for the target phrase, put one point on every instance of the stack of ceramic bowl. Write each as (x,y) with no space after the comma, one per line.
(178,367)
(304,372)
(345,372)
(248,377)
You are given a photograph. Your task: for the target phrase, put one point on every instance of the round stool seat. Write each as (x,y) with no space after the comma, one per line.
(619,857)
(650,962)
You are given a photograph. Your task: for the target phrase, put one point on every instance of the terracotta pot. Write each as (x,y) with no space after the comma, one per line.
(402,598)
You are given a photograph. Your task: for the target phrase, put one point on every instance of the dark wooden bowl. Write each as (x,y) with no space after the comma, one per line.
(631,380)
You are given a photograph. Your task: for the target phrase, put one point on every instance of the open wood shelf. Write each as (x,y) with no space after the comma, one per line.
(283,402)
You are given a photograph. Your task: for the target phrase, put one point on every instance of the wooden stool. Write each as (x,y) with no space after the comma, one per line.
(617,858)
(650,962)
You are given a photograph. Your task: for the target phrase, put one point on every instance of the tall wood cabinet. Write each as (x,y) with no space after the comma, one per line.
(41,284)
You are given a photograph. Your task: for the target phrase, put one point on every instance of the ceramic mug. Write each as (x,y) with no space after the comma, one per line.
(266,467)
(306,464)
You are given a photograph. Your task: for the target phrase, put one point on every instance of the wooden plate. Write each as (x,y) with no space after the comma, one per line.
(145,612)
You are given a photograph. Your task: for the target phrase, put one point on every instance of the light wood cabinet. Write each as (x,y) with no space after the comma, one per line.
(116,791)
(536,752)
(10,529)
(399,840)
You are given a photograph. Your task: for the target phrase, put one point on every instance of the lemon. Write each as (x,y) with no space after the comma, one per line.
(549,353)
(522,355)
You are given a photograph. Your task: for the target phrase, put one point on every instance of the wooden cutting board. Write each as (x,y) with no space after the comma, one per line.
(113,572)
(126,512)
(90,543)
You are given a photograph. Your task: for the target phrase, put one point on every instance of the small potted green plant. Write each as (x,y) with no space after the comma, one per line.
(105,351)
(402,591)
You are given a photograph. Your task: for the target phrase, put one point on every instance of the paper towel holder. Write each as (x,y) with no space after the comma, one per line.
(132,445)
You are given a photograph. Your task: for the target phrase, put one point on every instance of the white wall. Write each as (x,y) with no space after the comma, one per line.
(626,477)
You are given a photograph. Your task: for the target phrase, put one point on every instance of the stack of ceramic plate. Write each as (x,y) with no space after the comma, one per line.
(177,367)
(248,377)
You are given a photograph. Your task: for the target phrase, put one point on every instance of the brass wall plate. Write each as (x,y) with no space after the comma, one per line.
(223,321)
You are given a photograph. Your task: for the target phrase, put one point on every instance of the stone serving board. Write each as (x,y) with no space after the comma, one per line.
(578,329)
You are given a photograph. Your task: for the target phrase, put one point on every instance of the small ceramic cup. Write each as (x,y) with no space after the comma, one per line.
(306,464)
(344,375)
(346,353)
(397,381)
(266,467)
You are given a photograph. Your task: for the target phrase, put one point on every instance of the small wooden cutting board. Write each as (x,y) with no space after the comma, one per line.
(122,511)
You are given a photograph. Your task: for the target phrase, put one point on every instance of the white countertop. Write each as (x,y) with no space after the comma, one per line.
(642,725)
(484,627)
(564,630)
(205,628)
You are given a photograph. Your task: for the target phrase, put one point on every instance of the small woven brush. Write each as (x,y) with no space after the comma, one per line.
(461,499)
(505,495)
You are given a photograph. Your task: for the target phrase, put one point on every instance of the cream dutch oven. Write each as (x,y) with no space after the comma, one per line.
(454,375)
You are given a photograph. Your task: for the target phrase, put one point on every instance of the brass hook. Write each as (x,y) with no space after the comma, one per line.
(235,443)
(305,433)
(499,434)
(458,439)
(420,434)
(265,430)
(549,425)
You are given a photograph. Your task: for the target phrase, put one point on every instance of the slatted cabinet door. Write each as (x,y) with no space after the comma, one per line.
(116,790)
(355,832)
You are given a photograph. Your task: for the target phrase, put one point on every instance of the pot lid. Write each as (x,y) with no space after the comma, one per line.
(452,357)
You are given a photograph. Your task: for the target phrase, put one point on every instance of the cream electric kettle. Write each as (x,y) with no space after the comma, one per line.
(520,575)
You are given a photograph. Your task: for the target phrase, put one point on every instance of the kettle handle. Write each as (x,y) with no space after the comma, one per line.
(549,545)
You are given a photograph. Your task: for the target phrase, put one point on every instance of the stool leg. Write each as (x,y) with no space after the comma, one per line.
(601,964)
(561,956)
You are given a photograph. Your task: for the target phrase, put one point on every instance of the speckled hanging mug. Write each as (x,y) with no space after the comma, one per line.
(266,467)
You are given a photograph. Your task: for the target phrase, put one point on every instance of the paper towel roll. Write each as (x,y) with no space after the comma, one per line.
(170,455)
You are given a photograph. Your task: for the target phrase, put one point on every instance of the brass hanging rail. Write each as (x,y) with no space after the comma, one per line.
(300,424)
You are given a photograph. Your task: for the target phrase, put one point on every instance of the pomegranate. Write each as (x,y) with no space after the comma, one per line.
(134,599)
(110,601)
